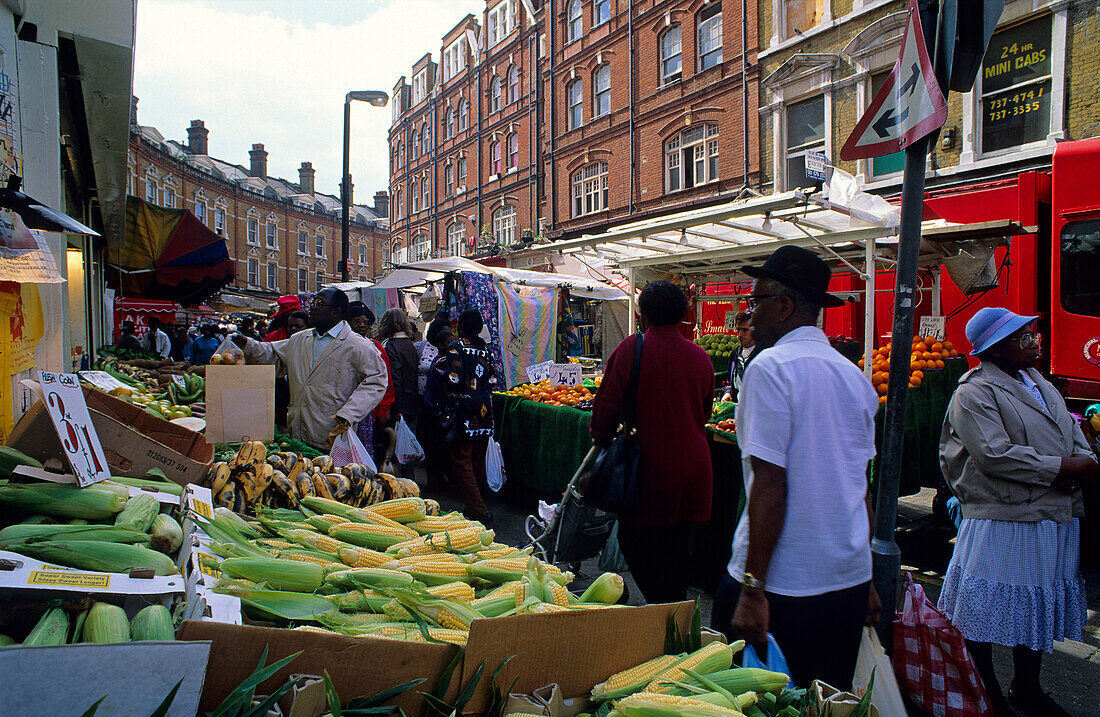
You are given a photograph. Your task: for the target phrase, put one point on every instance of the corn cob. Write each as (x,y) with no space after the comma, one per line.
(434,524)
(457,590)
(358,601)
(454,637)
(306,556)
(52,629)
(499,570)
(311,539)
(466,540)
(21,532)
(494,606)
(395,611)
(274,543)
(105,623)
(356,557)
(324,522)
(97,555)
(314,628)
(278,574)
(650,704)
(403,510)
(366,515)
(369,578)
(351,621)
(707,659)
(368,535)
(544,607)
(507,588)
(496,553)
(559,594)
(445,612)
(608,589)
(138,513)
(413,560)
(152,623)
(63,500)
(738,680)
(165,534)
(634,679)
(281,605)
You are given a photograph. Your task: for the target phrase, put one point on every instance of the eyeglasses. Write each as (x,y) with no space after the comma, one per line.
(1028,339)
(754,300)
(317,302)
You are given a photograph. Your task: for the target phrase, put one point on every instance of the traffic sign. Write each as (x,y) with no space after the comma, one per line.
(909,105)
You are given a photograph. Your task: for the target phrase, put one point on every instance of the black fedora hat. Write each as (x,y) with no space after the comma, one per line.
(801,270)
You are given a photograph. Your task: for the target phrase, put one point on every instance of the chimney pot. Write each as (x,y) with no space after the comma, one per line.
(306,174)
(382,204)
(197,137)
(258,157)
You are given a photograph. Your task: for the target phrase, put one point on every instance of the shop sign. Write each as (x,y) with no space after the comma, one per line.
(934,326)
(65,404)
(1091,350)
(539,372)
(1016,86)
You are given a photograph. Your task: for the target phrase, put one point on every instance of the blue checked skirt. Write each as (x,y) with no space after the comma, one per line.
(1016,583)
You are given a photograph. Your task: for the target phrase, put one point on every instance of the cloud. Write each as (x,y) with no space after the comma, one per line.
(276,73)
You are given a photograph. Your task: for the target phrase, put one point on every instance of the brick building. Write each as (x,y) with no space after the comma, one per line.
(283,235)
(823,60)
(557,118)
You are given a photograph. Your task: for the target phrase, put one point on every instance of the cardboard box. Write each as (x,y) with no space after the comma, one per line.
(576,650)
(20,572)
(134,676)
(133,440)
(359,666)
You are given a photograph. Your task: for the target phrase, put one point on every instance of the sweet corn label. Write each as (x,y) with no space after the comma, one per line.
(199,501)
(69,579)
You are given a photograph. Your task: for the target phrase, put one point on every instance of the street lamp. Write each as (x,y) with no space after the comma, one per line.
(378,99)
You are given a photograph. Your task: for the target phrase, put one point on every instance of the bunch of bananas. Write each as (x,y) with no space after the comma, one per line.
(251,477)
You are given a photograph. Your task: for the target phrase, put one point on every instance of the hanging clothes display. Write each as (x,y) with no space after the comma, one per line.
(534,309)
(479,292)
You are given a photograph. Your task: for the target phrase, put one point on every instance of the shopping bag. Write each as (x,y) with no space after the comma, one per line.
(408,448)
(494,466)
(347,448)
(931,660)
(885,694)
(611,557)
(824,700)
(774,660)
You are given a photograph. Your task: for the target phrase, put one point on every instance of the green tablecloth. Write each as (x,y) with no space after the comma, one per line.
(542,445)
(924,413)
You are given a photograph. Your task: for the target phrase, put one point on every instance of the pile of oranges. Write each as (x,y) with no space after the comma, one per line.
(543,392)
(927,354)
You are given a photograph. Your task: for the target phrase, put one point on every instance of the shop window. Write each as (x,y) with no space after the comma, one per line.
(805,133)
(691,158)
(589,186)
(671,57)
(601,90)
(1015,86)
(575,96)
(709,24)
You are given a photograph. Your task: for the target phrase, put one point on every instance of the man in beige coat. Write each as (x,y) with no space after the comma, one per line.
(336,376)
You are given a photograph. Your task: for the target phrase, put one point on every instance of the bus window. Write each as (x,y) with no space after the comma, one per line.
(1081,267)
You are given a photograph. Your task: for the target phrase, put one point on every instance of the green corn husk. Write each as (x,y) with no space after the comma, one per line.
(152,623)
(494,606)
(738,680)
(445,612)
(7,640)
(23,532)
(106,623)
(52,629)
(607,588)
(369,578)
(290,575)
(64,500)
(173,488)
(165,534)
(331,507)
(359,601)
(280,604)
(138,513)
(39,520)
(97,555)
(227,518)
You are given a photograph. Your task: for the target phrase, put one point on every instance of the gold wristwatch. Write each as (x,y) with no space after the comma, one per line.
(750,582)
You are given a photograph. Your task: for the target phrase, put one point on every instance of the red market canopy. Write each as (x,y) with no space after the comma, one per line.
(169,254)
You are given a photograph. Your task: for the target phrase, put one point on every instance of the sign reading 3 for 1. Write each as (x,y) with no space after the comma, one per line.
(69,413)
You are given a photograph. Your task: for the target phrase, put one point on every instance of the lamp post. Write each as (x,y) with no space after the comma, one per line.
(378,99)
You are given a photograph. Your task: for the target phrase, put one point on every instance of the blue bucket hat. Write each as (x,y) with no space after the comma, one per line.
(991,325)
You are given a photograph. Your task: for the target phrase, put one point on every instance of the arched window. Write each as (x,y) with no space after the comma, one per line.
(422,247)
(426,185)
(414,145)
(398,208)
(513,151)
(709,28)
(451,122)
(589,185)
(574,93)
(601,90)
(463,115)
(601,12)
(495,93)
(504,224)
(691,158)
(574,20)
(414,195)
(426,138)
(456,238)
(494,157)
(400,253)
(449,179)
(513,84)
(460,180)
(671,65)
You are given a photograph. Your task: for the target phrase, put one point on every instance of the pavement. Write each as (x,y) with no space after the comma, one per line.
(1071,674)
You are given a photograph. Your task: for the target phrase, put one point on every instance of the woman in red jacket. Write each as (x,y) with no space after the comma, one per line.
(675,395)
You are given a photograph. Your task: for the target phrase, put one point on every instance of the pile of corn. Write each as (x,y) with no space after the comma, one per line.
(700,684)
(387,570)
(252,478)
(99,528)
(99,622)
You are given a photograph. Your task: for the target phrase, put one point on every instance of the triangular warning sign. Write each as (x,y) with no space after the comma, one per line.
(907,107)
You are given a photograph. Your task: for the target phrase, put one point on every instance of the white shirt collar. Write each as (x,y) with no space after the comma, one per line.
(333,332)
(803,333)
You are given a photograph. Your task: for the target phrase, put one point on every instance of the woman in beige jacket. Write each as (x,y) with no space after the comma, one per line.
(1016,460)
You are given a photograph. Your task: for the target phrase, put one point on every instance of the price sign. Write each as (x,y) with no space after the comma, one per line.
(520,340)
(730,323)
(103,380)
(539,371)
(933,326)
(69,414)
(566,374)
(180,381)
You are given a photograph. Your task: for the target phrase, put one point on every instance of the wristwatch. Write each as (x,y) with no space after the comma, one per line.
(750,582)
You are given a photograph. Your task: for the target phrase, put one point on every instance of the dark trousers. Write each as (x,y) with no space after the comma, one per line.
(467,464)
(818,634)
(657,558)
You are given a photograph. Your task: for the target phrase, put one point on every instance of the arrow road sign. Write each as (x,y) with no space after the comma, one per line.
(909,105)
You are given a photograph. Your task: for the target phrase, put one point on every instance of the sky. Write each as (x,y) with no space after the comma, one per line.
(276,72)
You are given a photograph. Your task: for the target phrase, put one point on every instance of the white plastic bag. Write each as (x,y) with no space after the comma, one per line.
(494,466)
(885,695)
(347,448)
(408,448)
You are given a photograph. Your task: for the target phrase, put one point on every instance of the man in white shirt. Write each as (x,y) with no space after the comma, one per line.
(740,359)
(159,343)
(801,565)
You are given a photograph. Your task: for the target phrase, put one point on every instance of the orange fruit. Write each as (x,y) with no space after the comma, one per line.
(940,364)
(881,400)
(936,347)
(926,355)
(915,380)
(920,347)
(881,388)
(860,363)
(948,345)
(918,374)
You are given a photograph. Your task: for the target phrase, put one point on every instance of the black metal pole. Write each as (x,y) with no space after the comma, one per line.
(886,557)
(345,186)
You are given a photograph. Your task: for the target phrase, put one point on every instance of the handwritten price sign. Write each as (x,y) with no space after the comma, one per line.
(69,413)
(566,374)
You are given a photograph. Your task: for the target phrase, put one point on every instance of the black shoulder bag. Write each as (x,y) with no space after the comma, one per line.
(614,484)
